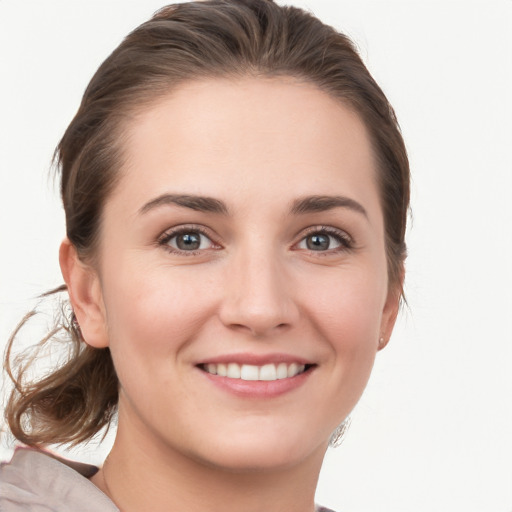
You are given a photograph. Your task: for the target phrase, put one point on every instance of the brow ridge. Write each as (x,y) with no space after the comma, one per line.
(321,203)
(301,206)
(198,203)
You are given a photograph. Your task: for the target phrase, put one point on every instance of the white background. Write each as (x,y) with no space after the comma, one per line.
(433,431)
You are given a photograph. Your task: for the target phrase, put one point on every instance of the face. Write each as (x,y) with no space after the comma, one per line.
(242,272)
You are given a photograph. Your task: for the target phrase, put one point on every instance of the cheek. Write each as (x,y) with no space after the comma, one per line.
(348,312)
(348,307)
(151,316)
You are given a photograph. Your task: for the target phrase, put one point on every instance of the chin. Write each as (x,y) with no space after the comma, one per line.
(260,452)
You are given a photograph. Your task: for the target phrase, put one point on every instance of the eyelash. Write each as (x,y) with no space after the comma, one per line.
(164,240)
(346,242)
(344,239)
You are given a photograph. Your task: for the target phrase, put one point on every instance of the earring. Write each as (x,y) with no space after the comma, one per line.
(75,327)
(338,436)
(381,342)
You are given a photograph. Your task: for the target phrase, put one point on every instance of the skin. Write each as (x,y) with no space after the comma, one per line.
(253,287)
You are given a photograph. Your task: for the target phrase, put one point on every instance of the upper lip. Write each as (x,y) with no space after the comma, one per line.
(256,359)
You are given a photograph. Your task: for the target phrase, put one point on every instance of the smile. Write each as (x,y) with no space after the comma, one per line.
(266,372)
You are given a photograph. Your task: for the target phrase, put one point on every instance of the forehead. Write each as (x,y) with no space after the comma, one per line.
(247,138)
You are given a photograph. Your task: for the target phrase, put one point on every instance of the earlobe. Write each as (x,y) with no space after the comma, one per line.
(390,313)
(85,294)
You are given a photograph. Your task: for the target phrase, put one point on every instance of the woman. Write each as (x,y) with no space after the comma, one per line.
(236,190)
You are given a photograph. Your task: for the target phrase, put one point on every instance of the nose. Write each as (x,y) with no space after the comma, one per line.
(258,296)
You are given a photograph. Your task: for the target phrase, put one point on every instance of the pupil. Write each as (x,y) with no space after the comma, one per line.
(317,242)
(188,241)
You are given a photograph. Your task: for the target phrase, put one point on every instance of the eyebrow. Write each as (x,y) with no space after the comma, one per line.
(308,204)
(312,204)
(198,203)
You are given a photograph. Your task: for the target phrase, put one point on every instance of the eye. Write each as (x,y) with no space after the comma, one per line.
(326,239)
(188,240)
(319,242)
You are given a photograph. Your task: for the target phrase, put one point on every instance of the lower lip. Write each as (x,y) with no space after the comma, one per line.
(258,388)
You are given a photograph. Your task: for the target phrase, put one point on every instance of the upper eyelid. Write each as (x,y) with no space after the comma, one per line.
(330,230)
(184,228)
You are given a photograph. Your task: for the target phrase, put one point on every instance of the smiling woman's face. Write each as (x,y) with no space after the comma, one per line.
(242,272)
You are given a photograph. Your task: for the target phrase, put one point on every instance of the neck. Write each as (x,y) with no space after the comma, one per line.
(141,476)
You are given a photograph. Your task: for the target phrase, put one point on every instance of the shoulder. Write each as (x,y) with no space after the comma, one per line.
(38,481)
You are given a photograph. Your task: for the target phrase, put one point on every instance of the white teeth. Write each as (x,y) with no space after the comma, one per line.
(282,371)
(292,369)
(267,372)
(295,369)
(233,371)
(249,372)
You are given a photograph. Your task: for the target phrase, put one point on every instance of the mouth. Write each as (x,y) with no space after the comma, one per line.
(249,372)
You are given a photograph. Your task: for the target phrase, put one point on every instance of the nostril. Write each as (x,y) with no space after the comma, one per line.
(240,327)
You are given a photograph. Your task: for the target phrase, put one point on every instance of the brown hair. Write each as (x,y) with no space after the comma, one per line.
(186,42)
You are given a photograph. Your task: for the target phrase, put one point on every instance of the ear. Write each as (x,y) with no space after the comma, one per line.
(85,294)
(390,311)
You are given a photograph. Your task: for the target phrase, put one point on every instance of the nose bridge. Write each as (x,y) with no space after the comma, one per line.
(257,294)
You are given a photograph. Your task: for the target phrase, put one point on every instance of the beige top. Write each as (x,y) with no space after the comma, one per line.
(38,482)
